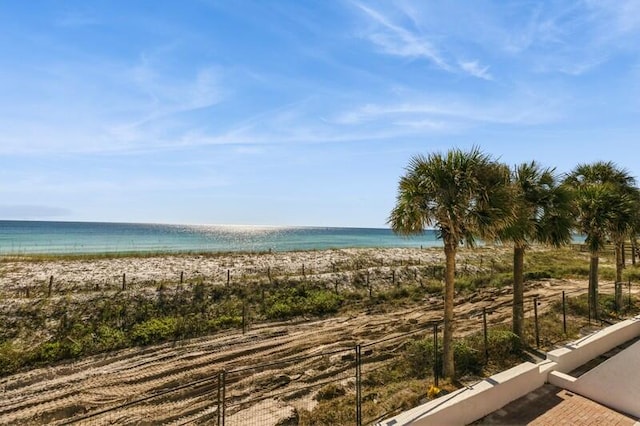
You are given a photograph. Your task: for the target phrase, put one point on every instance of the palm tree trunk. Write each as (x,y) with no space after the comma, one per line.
(593,284)
(518,291)
(449,288)
(619,268)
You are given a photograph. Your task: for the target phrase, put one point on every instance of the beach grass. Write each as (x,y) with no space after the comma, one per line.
(95,317)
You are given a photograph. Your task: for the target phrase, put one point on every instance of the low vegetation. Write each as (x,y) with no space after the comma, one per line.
(41,330)
(75,322)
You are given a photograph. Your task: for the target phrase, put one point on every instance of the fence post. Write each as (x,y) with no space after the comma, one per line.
(244,318)
(218,403)
(564,313)
(486,335)
(221,396)
(224,395)
(303,271)
(535,314)
(228,276)
(181,277)
(124,281)
(358,387)
(435,353)
(50,286)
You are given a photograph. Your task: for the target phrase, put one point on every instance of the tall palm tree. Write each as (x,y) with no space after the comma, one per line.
(622,225)
(604,196)
(543,214)
(463,195)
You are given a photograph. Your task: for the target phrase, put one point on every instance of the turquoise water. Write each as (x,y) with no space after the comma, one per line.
(30,237)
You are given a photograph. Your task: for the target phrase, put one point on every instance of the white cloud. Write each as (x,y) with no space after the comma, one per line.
(475,69)
(620,16)
(449,114)
(106,107)
(410,42)
(396,40)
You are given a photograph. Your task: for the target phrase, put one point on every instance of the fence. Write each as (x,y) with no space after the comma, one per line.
(366,382)
(356,383)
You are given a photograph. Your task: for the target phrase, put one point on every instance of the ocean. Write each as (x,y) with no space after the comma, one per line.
(40,237)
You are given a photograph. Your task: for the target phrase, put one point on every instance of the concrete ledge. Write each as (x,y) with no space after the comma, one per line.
(469,404)
(562,380)
(578,353)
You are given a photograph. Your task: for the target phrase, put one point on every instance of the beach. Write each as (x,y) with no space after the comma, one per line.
(70,388)
(69,272)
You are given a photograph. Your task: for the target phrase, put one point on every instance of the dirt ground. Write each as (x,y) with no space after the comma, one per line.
(57,394)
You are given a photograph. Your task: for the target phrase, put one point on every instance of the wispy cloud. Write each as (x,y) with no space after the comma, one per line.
(393,38)
(399,41)
(446,114)
(475,69)
(571,38)
(108,107)
(621,16)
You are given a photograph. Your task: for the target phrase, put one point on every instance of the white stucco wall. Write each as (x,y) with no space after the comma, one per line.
(614,383)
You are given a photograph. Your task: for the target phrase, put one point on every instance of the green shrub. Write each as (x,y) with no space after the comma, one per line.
(503,344)
(294,302)
(224,321)
(10,358)
(467,358)
(108,338)
(322,302)
(419,358)
(281,310)
(193,324)
(468,353)
(153,330)
(48,352)
(578,306)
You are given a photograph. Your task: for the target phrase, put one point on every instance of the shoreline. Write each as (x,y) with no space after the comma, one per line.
(204,252)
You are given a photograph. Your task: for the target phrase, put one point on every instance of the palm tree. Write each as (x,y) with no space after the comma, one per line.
(463,195)
(622,226)
(543,214)
(605,200)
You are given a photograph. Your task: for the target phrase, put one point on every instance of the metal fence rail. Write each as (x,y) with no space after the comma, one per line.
(288,390)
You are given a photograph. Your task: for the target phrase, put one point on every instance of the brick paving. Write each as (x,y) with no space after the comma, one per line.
(551,406)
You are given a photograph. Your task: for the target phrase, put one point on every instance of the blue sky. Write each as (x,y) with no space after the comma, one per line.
(297,112)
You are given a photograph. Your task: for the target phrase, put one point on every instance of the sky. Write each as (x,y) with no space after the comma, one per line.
(295,112)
